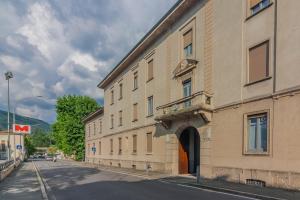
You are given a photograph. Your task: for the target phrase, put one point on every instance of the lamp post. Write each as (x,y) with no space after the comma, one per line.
(8,75)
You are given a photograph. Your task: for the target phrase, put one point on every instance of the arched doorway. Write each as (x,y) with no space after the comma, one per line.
(189,151)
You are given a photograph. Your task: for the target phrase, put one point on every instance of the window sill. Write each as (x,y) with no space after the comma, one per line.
(134,153)
(120,125)
(148,116)
(135,120)
(134,89)
(120,98)
(258,153)
(149,154)
(112,128)
(258,81)
(112,104)
(252,15)
(150,79)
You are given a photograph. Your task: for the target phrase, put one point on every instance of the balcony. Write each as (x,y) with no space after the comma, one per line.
(195,105)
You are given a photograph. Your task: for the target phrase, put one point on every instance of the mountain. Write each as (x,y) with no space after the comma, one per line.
(35,123)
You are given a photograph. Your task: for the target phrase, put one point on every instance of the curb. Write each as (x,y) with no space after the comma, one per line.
(246,194)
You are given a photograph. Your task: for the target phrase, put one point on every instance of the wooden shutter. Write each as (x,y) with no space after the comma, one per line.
(150,69)
(149,142)
(121,91)
(258,62)
(99,147)
(134,112)
(187,38)
(254,3)
(134,143)
(111,146)
(120,145)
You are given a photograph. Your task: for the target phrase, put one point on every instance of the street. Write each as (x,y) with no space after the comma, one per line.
(69,180)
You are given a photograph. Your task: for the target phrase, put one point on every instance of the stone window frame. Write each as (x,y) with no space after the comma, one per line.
(190,25)
(269,63)
(245,133)
(249,13)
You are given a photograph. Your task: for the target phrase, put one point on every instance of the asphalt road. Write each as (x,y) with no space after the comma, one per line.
(65,180)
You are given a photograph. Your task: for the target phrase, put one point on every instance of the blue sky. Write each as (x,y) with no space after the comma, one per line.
(63,47)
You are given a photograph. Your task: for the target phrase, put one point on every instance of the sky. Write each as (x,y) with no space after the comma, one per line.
(56,47)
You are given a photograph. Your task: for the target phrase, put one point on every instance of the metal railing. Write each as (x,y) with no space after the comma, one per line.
(6,164)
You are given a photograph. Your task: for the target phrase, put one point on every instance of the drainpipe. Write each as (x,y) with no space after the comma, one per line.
(275,46)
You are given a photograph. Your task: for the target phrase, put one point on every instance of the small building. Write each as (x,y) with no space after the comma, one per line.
(16,143)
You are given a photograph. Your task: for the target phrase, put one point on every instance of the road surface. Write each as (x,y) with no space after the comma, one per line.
(67,180)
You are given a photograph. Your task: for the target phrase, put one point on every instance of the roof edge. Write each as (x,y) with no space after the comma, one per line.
(92,115)
(173,8)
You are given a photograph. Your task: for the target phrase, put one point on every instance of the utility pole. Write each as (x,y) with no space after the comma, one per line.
(15,147)
(8,75)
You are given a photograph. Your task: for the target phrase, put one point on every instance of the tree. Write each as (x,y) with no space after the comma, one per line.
(68,130)
(40,138)
(30,149)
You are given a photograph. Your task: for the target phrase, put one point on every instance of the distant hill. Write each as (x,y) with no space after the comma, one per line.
(35,123)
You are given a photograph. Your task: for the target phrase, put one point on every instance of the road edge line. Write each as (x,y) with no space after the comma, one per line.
(43,189)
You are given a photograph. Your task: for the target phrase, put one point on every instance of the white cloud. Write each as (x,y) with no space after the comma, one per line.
(65,47)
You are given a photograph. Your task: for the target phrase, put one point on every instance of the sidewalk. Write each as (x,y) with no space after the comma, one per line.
(216,185)
(21,184)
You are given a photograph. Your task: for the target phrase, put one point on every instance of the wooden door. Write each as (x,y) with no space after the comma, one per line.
(183,154)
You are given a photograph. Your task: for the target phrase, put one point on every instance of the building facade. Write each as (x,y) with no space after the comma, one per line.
(16,144)
(214,84)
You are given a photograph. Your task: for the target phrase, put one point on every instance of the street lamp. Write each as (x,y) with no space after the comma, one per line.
(8,75)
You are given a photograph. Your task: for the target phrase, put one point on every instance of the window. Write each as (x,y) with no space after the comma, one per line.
(259,62)
(111,146)
(94,128)
(150,106)
(120,91)
(120,118)
(188,43)
(257,5)
(150,70)
(94,149)
(257,133)
(111,121)
(2,147)
(88,149)
(112,97)
(99,147)
(134,144)
(149,142)
(187,91)
(100,126)
(120,146)
(135,117)
(89,130)
(135,80)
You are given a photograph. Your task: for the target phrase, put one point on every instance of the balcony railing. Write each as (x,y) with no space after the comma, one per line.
(194,104)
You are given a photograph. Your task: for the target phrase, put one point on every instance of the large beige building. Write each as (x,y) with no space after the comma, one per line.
(215,84)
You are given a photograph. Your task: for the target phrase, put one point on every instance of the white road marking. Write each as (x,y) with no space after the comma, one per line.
(44,194)
(207,190)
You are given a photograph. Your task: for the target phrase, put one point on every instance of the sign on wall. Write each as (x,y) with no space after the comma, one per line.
(18,128)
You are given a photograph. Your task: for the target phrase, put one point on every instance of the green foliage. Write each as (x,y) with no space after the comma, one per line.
(68,130)
(52,150)
(40,138)
(30,149)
